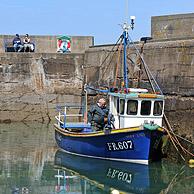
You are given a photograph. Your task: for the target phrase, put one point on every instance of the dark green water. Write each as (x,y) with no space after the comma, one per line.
(30,163)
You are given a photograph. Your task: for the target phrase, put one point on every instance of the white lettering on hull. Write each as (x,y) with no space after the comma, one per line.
(121,145)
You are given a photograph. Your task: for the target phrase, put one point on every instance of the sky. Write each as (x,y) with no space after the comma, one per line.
(98,18)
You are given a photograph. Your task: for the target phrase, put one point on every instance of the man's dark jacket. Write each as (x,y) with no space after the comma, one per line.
(97,114)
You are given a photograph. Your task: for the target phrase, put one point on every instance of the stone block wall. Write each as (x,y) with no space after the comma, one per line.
(180,26)
(31,85)
(172,64)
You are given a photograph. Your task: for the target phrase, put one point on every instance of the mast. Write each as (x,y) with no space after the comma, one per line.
(125,43)
(125,40)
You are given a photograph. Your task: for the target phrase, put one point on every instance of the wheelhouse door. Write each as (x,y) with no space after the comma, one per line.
(121,110)
(117,108)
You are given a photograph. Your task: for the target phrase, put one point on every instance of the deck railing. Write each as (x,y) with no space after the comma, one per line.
(70,114)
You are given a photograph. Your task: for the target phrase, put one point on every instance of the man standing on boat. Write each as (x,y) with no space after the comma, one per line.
(98,114)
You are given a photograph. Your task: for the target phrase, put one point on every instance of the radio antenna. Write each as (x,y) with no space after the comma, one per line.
(127,11)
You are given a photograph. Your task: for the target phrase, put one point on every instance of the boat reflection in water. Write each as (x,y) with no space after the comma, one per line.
(110,176)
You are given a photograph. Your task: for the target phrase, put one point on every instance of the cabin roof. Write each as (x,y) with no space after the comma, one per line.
(136,95)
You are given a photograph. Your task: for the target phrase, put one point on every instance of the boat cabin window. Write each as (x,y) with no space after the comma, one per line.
(145,107)
(132,107)
(121,106)
(158,106)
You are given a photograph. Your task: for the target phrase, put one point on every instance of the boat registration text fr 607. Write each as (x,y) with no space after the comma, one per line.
(120,145)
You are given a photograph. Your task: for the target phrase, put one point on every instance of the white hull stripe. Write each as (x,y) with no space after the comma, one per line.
(115,159)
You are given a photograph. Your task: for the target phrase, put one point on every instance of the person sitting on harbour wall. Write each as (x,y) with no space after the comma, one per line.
(27,44)
(98,114)
(17,43)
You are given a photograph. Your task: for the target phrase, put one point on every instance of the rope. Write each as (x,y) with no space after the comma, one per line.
(146,69)
(117,65)
(184,149)
(120,39)
(172,140)
(182,138)
(169,126)
(148,73)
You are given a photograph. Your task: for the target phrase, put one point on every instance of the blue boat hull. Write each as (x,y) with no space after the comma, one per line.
(139,146)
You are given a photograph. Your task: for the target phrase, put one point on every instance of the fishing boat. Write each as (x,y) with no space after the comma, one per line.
(110,175)
(134,129)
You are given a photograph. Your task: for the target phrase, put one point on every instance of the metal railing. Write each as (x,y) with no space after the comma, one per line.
(65,112)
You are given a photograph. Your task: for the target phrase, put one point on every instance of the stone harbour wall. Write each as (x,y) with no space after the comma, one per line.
(179,26)
(31,85)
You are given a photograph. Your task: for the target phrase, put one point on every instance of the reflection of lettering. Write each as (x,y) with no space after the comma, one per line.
(121,145)
(119,175)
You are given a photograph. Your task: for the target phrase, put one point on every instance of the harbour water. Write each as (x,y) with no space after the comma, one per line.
(31,163)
